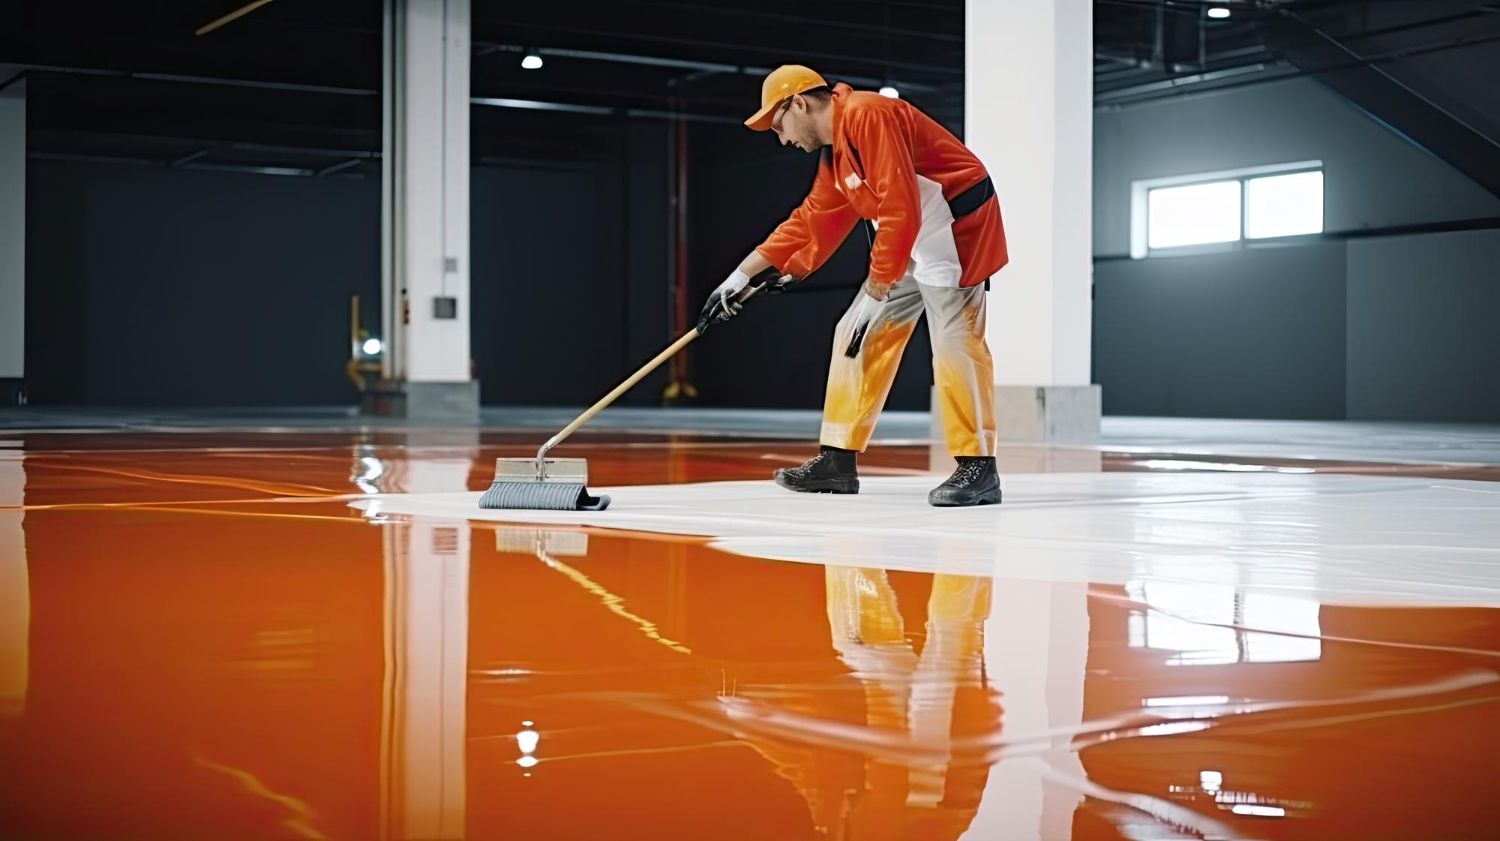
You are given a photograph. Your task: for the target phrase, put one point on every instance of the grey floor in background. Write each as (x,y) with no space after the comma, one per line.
(1392,441)
(1387,441)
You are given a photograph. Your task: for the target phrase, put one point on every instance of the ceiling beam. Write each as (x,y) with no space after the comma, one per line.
(486,48)
(188,158)
(955,69)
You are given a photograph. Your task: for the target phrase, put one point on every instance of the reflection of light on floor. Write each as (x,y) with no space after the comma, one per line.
(1172,728)
(1220,466)
(299,816)
(1186,700)
(508,671)
(1245,803)
(1187,706)
(369,472)
(614,603)
(1262,811)
(1214,625)
(527,741)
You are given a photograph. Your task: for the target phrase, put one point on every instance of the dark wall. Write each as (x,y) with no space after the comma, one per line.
(161,286)
(1386,328)
(1424,327)
(1252,333)
(150,285)
(165,286)
(776,353)
(1372,327)
(546,285)
(569,278)
(1373,177)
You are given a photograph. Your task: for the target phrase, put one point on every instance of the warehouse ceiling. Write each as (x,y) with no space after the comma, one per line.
(293,85)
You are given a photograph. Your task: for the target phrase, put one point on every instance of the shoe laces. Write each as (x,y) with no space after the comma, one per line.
(968,471)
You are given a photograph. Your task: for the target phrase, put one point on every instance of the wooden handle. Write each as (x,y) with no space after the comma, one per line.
(620,389)
(745,295)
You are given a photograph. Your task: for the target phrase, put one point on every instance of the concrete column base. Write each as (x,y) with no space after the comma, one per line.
(12,391)
(1036,425)
(1048,413)
(442,401)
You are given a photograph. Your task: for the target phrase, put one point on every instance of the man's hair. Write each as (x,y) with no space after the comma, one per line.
(821,94)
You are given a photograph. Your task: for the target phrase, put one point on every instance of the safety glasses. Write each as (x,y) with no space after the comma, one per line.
(780,112)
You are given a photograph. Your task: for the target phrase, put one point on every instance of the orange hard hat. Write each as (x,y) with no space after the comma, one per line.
(785,81)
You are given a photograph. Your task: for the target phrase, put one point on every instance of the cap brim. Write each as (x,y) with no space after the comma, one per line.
(761,120)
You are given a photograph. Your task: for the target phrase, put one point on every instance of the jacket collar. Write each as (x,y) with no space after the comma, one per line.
(841,93)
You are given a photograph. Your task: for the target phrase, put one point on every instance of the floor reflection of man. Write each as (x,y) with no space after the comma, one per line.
(883,739)
(923,698)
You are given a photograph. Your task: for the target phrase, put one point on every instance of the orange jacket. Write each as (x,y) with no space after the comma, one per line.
(883,151)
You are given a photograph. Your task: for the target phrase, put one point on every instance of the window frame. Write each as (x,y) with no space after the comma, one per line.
(1140,222)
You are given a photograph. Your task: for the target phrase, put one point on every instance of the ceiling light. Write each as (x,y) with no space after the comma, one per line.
(890,91)
(1218,12)
(531,61)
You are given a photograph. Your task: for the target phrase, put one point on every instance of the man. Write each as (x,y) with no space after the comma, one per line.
(938,239)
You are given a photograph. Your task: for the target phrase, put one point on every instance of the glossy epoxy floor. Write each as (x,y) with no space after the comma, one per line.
(201,638)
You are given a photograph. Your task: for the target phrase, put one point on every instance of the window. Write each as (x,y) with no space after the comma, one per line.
(1219,208)
(1284,205)
(1195,215)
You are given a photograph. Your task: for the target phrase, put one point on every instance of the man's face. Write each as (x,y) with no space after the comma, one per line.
(793,123)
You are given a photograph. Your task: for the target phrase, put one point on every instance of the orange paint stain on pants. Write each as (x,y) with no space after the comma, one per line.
(961,363)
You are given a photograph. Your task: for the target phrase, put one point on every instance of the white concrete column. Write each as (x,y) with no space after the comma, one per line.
(12,234)
(425,724)
(424,708)
(15,587)
(1028,115)
(1036,646)
(425,211)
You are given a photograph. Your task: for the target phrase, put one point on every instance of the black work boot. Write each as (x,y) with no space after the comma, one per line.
(975,482)
(831,471)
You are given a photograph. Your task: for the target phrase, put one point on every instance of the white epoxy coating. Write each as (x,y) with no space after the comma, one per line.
(1328,538)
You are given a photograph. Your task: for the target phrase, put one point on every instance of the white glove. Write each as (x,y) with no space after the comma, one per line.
(721,304)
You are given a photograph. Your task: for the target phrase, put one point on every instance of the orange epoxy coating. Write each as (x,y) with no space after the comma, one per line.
(216,646)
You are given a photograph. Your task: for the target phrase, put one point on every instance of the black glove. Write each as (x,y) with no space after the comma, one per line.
(726,301)
(781,284)
(723,303)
